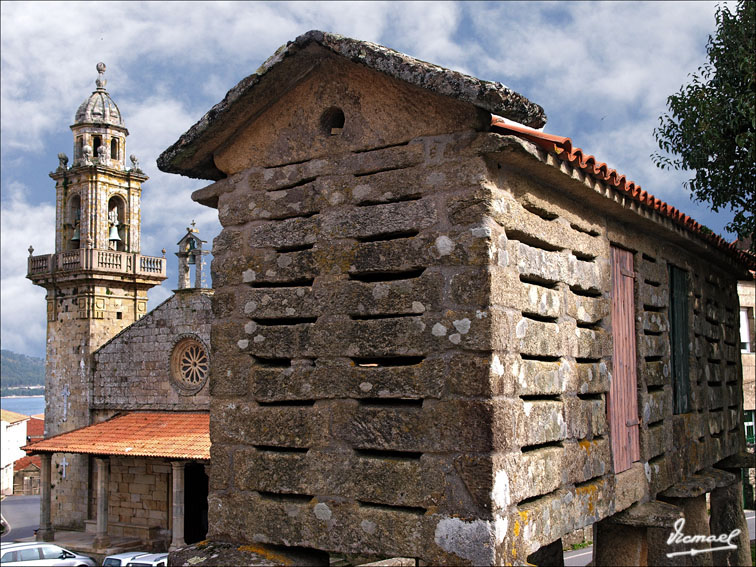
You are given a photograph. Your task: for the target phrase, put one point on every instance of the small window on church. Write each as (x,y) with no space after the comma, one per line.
(114,149)
(96,143)
(79,148)
(190,365)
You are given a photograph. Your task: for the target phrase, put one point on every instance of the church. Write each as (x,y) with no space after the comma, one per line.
(126,453)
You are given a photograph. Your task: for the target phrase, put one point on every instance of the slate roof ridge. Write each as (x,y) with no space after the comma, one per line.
(564,149)
(491,96)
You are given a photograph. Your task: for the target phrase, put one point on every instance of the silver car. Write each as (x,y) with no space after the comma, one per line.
(121,559)
(41,553)
(149,560)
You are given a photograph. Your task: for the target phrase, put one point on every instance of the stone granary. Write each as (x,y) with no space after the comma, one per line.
(126,418)
(440,333)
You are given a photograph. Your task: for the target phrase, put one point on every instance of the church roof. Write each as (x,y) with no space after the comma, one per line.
(192,154)
(171,435)
(99,108)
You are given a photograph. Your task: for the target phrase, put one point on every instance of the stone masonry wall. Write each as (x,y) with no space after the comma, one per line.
(552,293)
(80,319)
(133,370)
(551,300)
(413,350)
(139,495)
(352,376)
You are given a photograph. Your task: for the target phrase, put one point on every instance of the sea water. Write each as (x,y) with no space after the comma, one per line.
(27,405)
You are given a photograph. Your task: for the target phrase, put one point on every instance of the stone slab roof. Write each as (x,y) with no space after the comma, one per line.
(192,154)
(171,435)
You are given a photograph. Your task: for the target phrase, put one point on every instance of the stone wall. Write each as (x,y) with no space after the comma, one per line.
(552,294)
(80,320)
(352,381)
(133,370)
(413,348)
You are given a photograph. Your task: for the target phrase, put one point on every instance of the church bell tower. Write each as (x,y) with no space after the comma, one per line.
(96,280)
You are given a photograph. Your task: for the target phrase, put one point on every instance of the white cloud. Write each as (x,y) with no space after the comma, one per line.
(23,304)
(602,71)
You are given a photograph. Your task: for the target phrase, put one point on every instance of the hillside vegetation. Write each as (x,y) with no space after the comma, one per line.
(21,374)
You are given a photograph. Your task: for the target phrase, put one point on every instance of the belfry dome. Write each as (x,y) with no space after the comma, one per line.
(99,108)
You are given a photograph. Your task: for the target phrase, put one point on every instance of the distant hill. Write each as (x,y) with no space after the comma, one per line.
(19,372)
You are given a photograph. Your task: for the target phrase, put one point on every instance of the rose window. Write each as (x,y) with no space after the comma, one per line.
(190,365)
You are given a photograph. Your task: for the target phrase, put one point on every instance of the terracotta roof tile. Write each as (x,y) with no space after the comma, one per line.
(35,428)
(563,148)
(24,462)
(12,416)
(143,434)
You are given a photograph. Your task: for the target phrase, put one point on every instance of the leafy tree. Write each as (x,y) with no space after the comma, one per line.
(711,124)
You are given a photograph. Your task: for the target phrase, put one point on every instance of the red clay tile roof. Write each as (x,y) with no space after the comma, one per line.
(12,416)
(562,148)
(24,462)
(35,428)
(149,434)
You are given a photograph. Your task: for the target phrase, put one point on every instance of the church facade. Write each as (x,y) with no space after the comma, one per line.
(126,428)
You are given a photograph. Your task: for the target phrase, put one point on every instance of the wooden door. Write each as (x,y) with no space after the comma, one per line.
(622,401)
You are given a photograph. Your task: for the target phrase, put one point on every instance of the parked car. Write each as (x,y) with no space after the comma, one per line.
(121,559)
(149,560)
(41,553)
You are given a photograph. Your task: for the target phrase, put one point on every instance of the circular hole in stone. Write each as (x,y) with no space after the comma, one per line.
(332,121)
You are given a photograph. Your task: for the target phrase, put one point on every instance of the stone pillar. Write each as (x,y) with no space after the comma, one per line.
(727,515)
(690,495)
(102,540)
(617,544)
(45,532)
(551,555)
(627,537)
(177,539)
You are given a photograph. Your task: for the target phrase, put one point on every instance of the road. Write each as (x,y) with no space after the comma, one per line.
(581,557)
(21,513)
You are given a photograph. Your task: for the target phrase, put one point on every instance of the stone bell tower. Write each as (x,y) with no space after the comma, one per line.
(96,280)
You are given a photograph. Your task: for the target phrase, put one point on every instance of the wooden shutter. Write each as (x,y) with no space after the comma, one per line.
(622,401)
(679,338)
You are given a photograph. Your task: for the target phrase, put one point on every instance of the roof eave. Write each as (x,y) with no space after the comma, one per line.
(192,154)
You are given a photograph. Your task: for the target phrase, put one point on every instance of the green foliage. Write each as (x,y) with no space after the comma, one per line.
(21,370)
(711,124)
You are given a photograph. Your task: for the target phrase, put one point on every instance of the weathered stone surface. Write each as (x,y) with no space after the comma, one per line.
(494,97)
(654,513)
(223,553)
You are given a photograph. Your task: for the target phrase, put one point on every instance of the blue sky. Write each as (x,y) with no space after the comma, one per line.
(602,72)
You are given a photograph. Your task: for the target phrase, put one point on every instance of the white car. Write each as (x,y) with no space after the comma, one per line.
(41,553)
(149,560)
(121,559)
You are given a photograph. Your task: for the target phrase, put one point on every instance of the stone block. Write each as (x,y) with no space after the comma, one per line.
(540,378)
(281,426)
(543,422)
(592,378)
(655,373)
(589,310)
(454,425)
